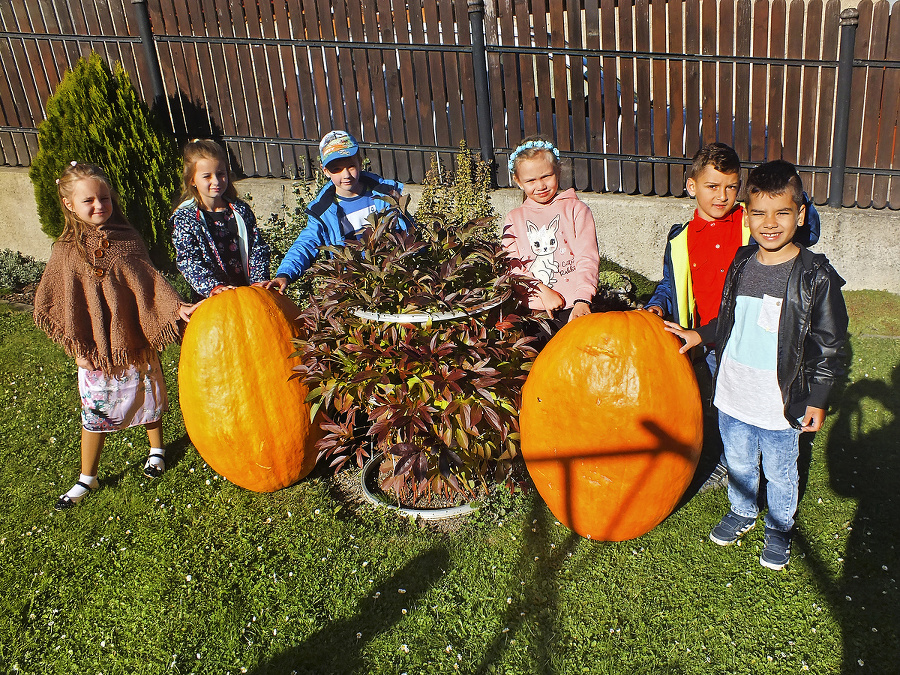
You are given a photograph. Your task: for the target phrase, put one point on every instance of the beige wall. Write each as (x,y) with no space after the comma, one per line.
(862,244)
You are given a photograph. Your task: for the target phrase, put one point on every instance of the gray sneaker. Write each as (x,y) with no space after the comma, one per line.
(731,528)
(718,478)
(777,551)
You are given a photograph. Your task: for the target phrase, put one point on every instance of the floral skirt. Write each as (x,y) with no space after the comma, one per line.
(132,396)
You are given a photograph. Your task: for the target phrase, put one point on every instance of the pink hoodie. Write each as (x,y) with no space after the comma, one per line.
(556,244)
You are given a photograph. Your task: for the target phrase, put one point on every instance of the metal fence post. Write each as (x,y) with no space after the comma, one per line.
(482,93)
(143,19)
(849,22)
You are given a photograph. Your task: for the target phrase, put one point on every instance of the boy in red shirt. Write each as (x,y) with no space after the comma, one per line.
(699,252)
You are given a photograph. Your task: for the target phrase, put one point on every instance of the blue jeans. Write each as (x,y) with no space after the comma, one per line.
(744,444)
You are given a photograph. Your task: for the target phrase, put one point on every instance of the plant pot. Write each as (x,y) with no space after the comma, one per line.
(438,513)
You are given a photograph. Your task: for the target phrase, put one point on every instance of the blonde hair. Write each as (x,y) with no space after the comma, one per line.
(194,151)
(532,147)
(74,227)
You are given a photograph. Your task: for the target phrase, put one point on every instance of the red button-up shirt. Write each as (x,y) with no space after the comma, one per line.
(711,248)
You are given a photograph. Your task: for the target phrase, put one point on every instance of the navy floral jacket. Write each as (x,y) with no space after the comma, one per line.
(196,255)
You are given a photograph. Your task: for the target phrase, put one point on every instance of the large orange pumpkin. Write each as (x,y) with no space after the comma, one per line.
(611,424)
(245,417)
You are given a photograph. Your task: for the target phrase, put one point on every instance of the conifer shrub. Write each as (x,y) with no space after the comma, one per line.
(459,195)
(96,116)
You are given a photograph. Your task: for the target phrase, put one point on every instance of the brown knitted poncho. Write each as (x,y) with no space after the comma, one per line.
(114,309)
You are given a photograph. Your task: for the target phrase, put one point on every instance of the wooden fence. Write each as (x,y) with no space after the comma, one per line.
(628,91)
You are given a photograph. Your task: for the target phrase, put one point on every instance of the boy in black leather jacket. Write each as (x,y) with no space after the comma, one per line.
(779,338)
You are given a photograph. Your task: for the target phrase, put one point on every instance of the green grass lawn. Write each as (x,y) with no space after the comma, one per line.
(190,574)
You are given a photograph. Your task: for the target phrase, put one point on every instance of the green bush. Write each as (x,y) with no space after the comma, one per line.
(17,270)
(457,196)
(96,116)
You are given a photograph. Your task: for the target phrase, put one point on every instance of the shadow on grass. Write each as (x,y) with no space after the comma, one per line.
(864,465)
(337,647)
(541,590)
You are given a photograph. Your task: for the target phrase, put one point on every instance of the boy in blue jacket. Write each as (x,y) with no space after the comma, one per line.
(340,209)
(779,337)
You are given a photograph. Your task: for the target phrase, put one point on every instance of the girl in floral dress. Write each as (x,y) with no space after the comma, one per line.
(102,300)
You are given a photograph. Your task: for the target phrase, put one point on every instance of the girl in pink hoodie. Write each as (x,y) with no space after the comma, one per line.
(551,237)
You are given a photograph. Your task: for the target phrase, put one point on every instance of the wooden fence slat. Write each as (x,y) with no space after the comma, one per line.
(493,15)
(595,85)
(324,29)
(134,65)
(466,76)
(451,72)
(613,101)
(791,124)
(726,82)
(9,117)
(544,70)
(208,96)
(385,159)
(825,108)
(580,118)
(421,85)
(58,20)
(561,96)
(644,106)
(293,156)
(261,111)
(743,31)
(47,58)
(526,71)
(323,113)
(890,120)
(874,101)
(709,23)
(307,119)
(505,106)
(775,109)
(692,103)
(172,61)
(810,85)
(760,78)
(274,95)
(360,63)
(659,71)
(403,29)
(242,85)
(628,141)
(439,89)
(26,103)
(676,98)
(857,96)
(394,95)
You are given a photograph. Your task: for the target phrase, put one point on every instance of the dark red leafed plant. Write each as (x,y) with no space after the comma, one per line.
(440,398)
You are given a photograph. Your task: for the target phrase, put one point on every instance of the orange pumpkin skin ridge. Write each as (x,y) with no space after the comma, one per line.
(248,421)
(611,424)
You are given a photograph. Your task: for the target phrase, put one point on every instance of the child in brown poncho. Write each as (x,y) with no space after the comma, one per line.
(102,300)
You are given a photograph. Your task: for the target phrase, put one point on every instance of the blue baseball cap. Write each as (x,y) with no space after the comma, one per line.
(337,145)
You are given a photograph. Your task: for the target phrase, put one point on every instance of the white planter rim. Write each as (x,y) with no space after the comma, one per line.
(425,514)
(425,317)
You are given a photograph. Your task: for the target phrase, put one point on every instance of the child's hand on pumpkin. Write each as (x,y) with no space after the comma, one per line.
(221,288)
(579,309)
(278,284)
(655,309)
(550,298)
(185,310)
(691,337)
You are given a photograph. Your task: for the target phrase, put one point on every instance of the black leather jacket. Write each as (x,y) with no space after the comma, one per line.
(811,332)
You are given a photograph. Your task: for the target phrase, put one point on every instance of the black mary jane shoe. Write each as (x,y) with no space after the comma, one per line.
(151,470)
(65,502)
